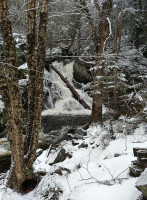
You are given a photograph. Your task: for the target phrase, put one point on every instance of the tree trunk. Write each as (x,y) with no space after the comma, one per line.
(22,173)
(31,62)
(115,69)
(39,82)
(96,114)
(74,92)
(117,49)
(15,113)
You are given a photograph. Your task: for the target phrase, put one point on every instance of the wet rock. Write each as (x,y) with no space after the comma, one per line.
(62,155)
(61,170)
(56,122)
(117,155)
(74,143)
(75,136)
(81,132)
(39,152)
(54,137)
(83,145)
(80,72)
(141,183)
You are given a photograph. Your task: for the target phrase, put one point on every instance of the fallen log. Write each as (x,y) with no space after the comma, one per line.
(74,92)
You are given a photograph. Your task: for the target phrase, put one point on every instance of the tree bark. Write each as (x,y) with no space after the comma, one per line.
(31,62)
(91,22)
(39,82)
(96,114)
(74,92)
(20,171)
(99,43)
(15,112)
(117,49)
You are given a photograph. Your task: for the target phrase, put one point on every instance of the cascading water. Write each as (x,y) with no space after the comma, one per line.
(57,97)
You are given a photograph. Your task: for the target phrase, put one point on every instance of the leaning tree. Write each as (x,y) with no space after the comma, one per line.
(23,152)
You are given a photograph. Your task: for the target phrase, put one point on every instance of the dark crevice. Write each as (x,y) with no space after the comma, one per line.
(28,185)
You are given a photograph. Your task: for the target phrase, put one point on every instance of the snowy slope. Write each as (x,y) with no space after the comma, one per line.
(99,171)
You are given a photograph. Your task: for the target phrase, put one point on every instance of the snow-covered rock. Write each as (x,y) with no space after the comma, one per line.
(141,183)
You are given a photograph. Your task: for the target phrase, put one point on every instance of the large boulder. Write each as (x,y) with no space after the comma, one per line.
(81,71)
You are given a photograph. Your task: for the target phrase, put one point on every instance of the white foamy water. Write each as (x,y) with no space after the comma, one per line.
(65,102)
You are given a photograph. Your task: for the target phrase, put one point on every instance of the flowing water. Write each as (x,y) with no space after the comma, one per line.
(58,98)
(59,107)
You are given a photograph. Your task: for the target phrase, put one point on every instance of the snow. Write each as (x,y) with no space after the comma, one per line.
(24,66)
(142,180)
(54,51)
(100,171)
(23,82)
(116,192)
(110,32)
(1,106)
(95,173)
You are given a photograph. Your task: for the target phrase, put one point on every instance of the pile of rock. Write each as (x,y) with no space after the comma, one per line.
(139,168)
(140,164)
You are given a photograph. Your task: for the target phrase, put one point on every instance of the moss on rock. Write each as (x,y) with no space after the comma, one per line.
(80,73)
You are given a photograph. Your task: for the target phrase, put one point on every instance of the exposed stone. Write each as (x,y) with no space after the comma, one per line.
(62,155)
(61,169)
(141,183)
(56,122)
(53,137)
(139,165)
(81,131)
(74,143)
(80,72)
(83,145)
(135,171)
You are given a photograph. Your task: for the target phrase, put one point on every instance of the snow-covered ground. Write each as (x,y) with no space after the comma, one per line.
(99,171)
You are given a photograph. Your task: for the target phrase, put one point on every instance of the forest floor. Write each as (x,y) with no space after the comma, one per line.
(96,167)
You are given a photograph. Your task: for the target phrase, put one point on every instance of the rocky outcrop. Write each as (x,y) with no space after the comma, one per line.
(55,137)
(141,183)
(81,71)
(56,122)
(139,165)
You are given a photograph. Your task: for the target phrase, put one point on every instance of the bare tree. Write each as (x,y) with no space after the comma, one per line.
(99,39)
(21,168)
(117,48)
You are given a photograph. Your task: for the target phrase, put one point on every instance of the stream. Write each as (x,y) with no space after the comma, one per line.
(60,109)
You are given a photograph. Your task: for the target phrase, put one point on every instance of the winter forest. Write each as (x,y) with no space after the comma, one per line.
(73,100)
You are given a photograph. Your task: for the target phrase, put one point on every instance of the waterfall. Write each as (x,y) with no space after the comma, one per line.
(57,97)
